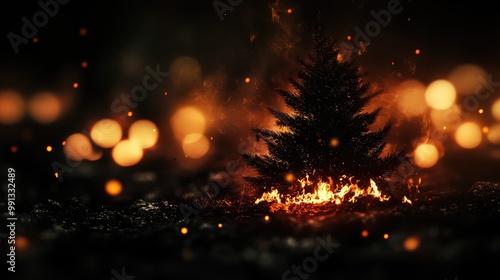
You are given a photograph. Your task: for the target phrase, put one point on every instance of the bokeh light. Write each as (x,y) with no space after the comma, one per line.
(440,94)
(493,135)
(78,147)
(144,132)
(451,117)
(113,187)
(106,133)
(465,78)
(426,155)
(411,98)
(411,243)
(44,107)
(195,145)
(186,121)
(468,135)
(495,109)
(185,72)
(12,107)
(127,153)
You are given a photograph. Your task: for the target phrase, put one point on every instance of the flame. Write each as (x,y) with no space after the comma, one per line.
(324,192)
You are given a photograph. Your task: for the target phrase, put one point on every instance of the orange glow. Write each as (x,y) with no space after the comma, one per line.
(349,37)
(35,40)
(417,51)
(289,11)
(49,149)
(247,80)
(465,78)
(494,134)
(450,117)
(75,85)
(83,31)
(84,64)
(186,121)
(290,178)
(144,132)
(411,98)
(411,243)
(130,113)
(219,225)
(195,145)
(106,133)
(485,129)
(495,109)
(78,147)
(480,111)
(63,143)
(323,193)
(468,135)
(56,175)
(365,233)
(113,187)
(13,149)
(44,107)
(184,230)
(386,236)
(440,94)
(426,155)
(406,200)
(266,218)
(127,153)
(334,142)
(12,107)
(21,242)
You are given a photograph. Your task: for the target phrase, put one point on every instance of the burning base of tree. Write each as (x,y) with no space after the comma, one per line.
(325,194)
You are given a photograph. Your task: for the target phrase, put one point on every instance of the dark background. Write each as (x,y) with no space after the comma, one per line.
(125,36)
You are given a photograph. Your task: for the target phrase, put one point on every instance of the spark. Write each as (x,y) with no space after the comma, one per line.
(49,149)
(130,113)
(184,230)
(364,233)
(63,143)
(386,236)
(349,37)
(56,174)
(289,11)
(219,225)
(266,218)
(417,51)
(247,80)
(75,85)
(481,111)
(485,129)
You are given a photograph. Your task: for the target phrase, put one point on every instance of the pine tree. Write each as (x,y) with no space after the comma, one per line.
(327,134)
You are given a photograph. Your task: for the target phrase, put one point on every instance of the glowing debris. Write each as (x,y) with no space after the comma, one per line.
(411,243)
(113,187)
(386,236)
(364,233)
(266,218)
(184,230)
(219,225)
(49,149)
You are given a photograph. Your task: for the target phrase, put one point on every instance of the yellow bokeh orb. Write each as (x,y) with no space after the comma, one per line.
(187,120)
(44,107)
(440,94)
(495,109)
(494,134)
(195,145)
(106,133)
(144,132)
(78,147)
(426,155)
(113,187)
(12,107)
(411,98)
(127,153)
(468,135)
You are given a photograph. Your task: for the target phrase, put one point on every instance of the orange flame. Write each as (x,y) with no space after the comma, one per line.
(324,192)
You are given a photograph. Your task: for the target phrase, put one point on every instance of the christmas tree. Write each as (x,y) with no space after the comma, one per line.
(327,135)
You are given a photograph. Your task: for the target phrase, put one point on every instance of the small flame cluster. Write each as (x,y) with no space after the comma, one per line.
(324,192)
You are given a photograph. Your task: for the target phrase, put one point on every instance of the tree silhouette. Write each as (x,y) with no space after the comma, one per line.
(327,134)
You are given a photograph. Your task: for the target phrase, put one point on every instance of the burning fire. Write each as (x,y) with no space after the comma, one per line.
(323,193)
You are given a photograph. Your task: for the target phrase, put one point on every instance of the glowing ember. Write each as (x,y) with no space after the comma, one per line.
(324,192)
(184,230)
(406,200)
(113,187)
(386,236)
(411,243)
(219,225)
(365,233)
(49,149)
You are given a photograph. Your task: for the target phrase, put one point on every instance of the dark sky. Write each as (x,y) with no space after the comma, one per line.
(125,36)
